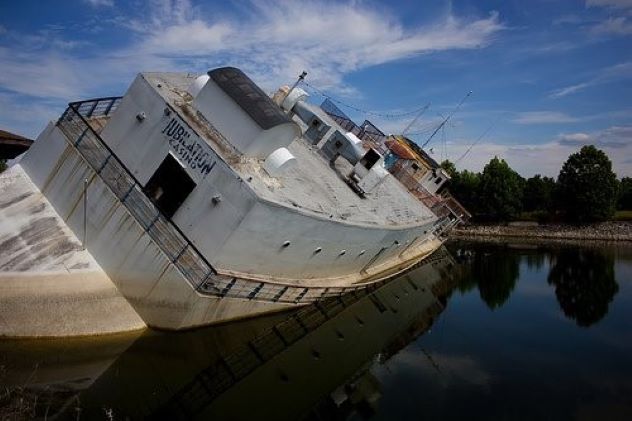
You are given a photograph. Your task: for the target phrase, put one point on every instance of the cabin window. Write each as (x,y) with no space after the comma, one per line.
(169,187)
(438,180)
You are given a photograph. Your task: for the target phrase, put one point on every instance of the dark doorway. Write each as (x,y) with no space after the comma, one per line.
(370,158)
(169,186)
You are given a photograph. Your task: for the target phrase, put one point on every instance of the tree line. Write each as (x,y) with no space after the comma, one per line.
(586,190)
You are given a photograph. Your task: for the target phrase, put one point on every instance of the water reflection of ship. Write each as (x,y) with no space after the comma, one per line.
(312,359)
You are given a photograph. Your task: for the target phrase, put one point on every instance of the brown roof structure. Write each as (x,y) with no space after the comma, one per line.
(400,149)
(12,145)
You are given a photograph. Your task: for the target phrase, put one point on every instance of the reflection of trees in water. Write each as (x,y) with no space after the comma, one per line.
(535,261)
(584,283)
(494,270)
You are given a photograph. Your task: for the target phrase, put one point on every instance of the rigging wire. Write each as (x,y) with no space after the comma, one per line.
(444,152)
(443,123)
(425,129)
(464,154)
(360,110)
(414,120)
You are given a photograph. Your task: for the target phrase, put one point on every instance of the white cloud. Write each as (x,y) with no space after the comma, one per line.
(614,137)
(100,3)
(608,74)
(271,41)
(616,4)
(562,92)
(547,158)
(27,118)
(277,40)
(619,25)
(575,138)
(543,117)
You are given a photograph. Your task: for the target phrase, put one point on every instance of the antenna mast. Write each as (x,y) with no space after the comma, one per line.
(445,120)
(299,80)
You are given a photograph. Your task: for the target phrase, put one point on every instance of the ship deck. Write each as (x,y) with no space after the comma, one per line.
(312,185)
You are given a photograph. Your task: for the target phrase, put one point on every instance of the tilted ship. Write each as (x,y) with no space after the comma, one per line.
(196,199)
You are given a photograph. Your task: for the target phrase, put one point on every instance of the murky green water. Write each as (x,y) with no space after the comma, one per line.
(486,332)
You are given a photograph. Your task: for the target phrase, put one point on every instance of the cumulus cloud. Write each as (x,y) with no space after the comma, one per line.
(574,138)
(277,40)
(615,137)
(547,158)
(272,41)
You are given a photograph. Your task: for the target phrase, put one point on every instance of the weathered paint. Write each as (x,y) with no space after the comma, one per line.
(49,285)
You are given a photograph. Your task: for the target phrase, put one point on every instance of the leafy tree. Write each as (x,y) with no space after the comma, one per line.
(538,193)
(587,186)
(449,167)
(584,284)
(624,201)
(500,191)
(464,186)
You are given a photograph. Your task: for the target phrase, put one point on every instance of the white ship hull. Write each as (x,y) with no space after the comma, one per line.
(238,256)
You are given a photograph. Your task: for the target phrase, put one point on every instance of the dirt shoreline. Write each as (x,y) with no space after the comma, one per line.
(605,231)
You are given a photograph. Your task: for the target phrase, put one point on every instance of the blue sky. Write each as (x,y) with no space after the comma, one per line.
(547,76)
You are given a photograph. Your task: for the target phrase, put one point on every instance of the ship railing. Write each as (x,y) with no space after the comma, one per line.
(75,124)
(444,225)
(449,205)
(181,252)
(98,107)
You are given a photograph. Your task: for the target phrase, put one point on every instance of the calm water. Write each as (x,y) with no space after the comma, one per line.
(485,332)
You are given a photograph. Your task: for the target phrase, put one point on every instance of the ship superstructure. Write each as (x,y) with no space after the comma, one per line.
(205,200)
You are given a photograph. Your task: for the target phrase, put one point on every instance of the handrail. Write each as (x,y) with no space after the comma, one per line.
(112,100)
(167,235)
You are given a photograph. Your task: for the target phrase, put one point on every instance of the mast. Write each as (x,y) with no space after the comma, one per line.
(445,120)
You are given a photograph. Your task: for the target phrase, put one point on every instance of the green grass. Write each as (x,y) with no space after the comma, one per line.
(623,215)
